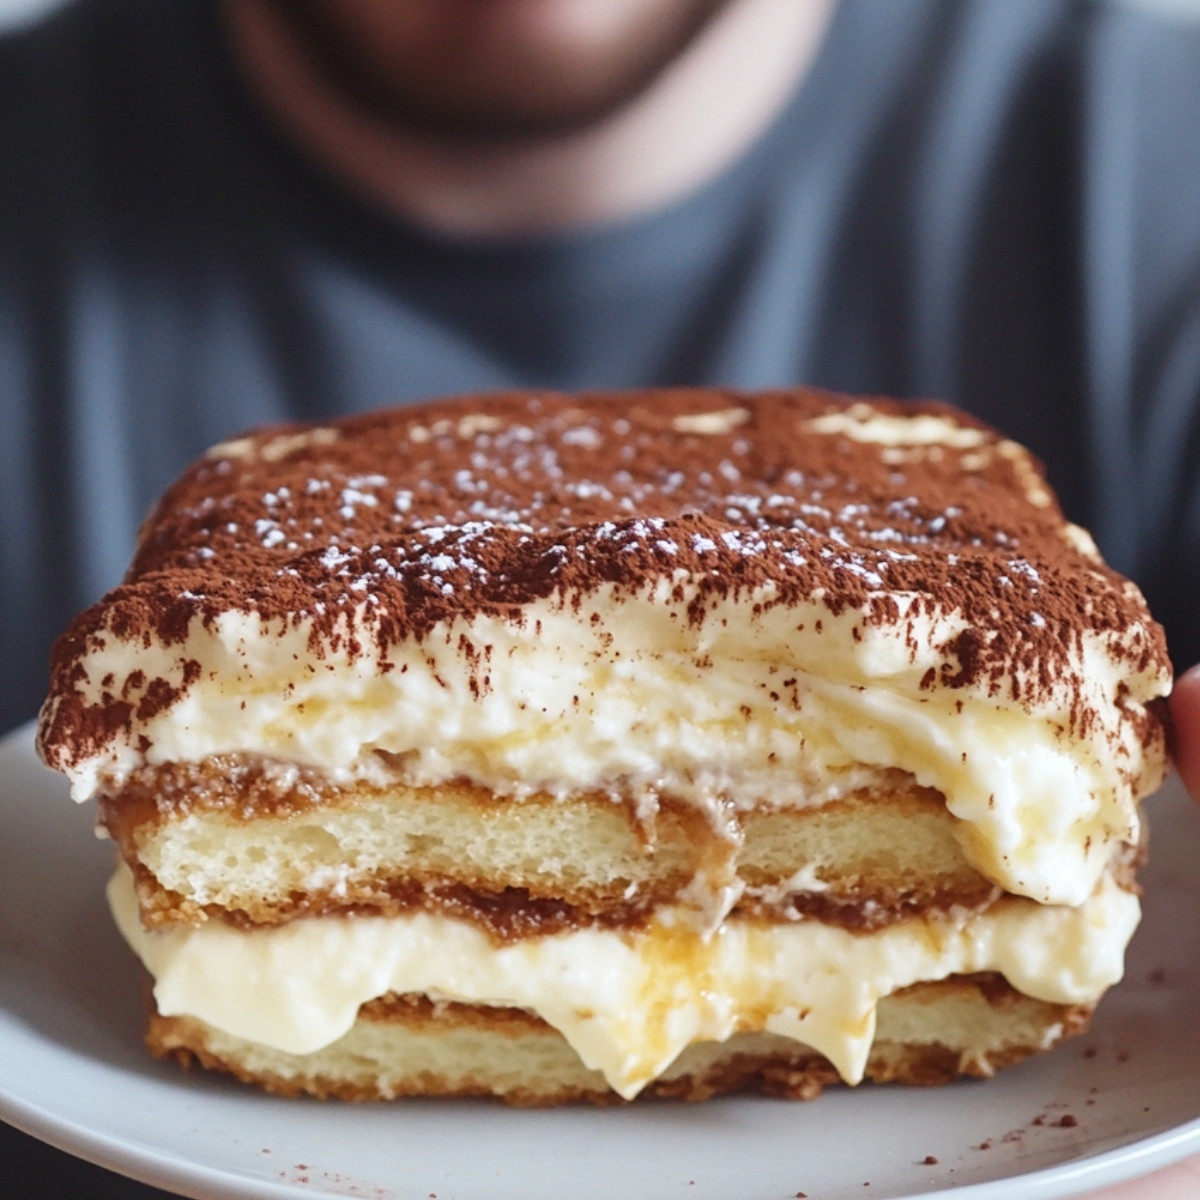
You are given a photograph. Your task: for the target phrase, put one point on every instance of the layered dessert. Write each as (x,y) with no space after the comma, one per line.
(581,747)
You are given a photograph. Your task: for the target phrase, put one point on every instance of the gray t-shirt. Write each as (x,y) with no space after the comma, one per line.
(994,203)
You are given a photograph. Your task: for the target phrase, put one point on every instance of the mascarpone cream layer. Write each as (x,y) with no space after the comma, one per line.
(628,1002)
(758,704)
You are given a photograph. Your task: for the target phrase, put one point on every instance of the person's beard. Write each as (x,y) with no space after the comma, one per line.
(452,74)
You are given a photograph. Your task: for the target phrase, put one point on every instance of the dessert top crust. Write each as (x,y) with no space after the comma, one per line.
(417,516)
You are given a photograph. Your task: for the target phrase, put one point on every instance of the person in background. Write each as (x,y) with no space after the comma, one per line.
(217,213)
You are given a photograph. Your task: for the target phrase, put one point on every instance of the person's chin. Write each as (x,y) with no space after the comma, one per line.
(495,72)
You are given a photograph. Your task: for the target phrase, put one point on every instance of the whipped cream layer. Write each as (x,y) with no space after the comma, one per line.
(760,705)
(627,1002)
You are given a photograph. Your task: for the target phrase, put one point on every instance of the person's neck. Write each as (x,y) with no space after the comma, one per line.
(696,119)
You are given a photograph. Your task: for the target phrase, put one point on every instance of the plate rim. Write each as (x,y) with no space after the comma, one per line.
(174,1173)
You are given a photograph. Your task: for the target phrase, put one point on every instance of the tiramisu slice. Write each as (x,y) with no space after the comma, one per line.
(579,746)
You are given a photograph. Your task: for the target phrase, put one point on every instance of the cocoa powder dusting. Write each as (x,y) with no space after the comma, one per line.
(416,516)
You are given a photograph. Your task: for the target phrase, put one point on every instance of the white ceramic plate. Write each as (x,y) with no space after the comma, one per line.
(73,1072)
